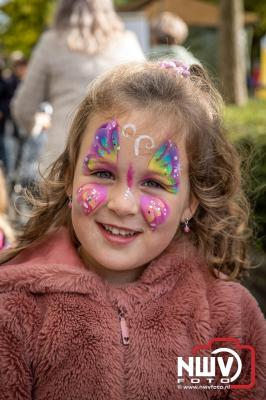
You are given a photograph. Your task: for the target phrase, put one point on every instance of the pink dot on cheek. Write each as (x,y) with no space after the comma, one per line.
(154,210)
(91,196)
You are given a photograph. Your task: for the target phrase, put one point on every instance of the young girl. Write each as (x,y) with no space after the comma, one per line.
(128,267)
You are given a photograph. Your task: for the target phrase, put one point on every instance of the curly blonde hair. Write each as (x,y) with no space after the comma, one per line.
(5,226)
(220,224)
(3,192)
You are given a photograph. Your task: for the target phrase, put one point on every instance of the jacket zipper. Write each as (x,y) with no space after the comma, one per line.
(123,327)
(124,340)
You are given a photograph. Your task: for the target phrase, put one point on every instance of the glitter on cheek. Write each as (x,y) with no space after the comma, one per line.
(154,210)
(90,197)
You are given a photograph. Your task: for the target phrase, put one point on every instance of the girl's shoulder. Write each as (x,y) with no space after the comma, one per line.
(231,301)
(53,255)
(19,313)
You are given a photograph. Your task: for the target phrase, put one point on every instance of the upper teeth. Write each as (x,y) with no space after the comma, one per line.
(116,231)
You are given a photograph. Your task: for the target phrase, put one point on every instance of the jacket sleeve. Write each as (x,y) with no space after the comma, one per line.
(254,334)
(34,89)
(15,371)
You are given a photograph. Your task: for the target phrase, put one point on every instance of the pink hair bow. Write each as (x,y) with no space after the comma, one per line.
(177,66)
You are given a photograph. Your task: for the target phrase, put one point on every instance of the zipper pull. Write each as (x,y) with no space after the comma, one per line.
(124,328)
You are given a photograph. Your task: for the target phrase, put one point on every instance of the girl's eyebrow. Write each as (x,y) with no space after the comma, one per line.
(150,174)
(97,160)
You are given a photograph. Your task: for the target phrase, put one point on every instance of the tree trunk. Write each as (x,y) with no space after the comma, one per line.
(233,52)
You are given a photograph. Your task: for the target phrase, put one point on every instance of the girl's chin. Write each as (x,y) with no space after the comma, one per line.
(119,272)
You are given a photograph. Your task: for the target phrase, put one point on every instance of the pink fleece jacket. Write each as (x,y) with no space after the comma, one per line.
(67,334)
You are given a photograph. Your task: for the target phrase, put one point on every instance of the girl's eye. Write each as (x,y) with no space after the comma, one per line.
(153,184)
(103,174)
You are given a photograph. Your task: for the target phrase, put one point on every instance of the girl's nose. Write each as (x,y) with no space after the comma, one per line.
(122,201)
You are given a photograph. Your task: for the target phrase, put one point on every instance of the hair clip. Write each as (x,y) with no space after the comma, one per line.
(177,66)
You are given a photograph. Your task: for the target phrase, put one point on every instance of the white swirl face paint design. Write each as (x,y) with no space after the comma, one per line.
(127,127)
(131,127)
(147,146)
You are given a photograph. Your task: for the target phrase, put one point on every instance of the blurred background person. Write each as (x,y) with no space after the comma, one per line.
(3,115)
(14,137)
(168,32)
(87,38)
(18,65)
(7,236)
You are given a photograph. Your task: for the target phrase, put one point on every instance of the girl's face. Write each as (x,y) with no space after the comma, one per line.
(130,190)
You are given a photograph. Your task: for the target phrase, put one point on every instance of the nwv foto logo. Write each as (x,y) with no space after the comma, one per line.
(223,362)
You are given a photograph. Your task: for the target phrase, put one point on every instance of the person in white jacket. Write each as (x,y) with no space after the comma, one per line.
(87,38)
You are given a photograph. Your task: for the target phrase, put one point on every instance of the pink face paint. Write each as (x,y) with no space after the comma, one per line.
(130,176)
(166,162)
(105,146)
(91,196)
(154,210)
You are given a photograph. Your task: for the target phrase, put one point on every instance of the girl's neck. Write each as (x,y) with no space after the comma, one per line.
(112,276)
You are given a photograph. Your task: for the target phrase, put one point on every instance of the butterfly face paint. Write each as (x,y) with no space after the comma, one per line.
(105,146)
(91,196)
(166,162)
(154,210)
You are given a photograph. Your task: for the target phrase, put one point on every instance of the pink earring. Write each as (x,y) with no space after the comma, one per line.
(186,227)
(69,201)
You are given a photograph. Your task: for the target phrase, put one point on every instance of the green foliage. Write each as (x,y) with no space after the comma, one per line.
(247,128)
(247,121)
(122,2)
(26,21)
(257,6)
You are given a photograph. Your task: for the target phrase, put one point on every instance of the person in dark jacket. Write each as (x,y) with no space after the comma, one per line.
(4,100)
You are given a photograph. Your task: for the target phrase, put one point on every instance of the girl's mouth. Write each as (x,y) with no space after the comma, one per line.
(117,235)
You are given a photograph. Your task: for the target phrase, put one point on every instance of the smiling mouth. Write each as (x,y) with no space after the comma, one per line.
(117,231)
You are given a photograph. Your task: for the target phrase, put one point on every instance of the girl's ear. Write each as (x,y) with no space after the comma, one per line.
(191,209)
(68,185)
(68,190)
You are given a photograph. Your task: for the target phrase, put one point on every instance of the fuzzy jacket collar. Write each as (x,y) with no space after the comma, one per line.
(54,266)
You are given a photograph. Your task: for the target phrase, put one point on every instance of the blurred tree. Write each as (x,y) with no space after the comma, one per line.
(25,21)
(258,6)
(232,52)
